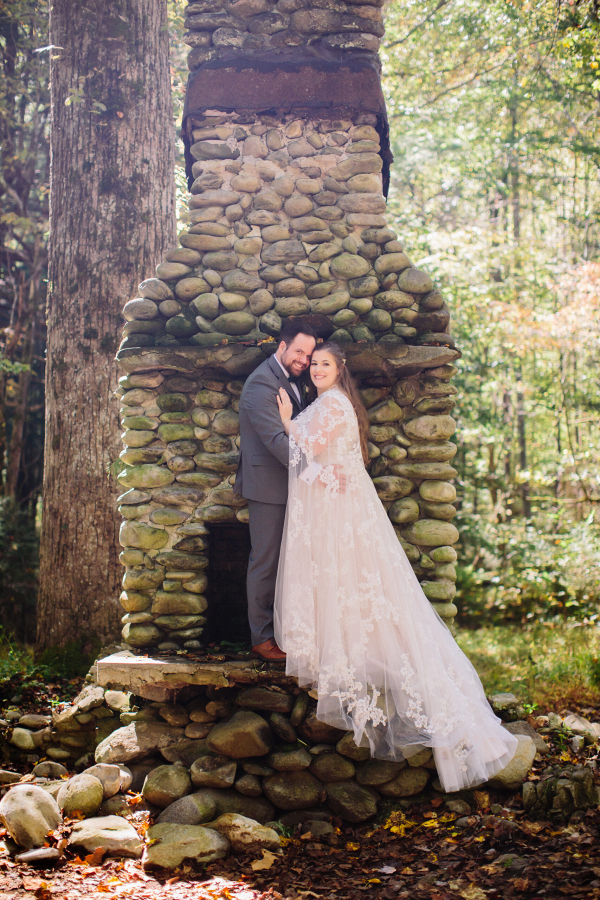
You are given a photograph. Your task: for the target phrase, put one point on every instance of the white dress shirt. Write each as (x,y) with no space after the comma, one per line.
(293,386)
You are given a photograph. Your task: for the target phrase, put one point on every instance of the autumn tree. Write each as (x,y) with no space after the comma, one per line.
(111,218)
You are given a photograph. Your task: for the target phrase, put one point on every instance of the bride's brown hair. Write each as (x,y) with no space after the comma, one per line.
(348,385)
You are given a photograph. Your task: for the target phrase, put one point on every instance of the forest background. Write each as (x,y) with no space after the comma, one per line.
(494,108)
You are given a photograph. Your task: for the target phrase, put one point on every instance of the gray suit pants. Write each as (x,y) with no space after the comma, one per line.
(266,532)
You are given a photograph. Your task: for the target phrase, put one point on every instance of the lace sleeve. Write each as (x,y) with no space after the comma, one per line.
(316,429)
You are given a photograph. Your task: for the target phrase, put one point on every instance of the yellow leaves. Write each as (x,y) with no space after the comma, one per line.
(399,824)
(352,846)
(268,858)
(482,799)
(473,892)
(95,858)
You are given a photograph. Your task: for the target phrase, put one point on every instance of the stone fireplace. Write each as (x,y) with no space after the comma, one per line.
(288,158)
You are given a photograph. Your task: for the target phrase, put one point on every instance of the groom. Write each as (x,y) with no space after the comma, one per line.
(262,476)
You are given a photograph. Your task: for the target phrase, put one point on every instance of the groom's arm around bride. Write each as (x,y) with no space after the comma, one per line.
(262,476)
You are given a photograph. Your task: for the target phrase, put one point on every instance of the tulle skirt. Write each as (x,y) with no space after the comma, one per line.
(356,625)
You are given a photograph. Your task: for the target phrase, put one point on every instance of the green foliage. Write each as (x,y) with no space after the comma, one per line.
(526,570)
(549,663)
(495,191)
(71,661)
(15,659)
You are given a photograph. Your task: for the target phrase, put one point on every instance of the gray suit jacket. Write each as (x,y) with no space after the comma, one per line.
(263,468)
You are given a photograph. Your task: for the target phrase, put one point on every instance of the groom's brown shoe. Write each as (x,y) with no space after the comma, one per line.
(269,651)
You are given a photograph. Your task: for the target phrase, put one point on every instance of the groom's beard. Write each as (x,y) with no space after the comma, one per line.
(286,359)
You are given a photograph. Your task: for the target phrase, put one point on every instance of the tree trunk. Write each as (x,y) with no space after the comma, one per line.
(111,218)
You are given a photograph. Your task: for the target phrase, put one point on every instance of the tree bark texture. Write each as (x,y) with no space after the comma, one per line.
(112,216)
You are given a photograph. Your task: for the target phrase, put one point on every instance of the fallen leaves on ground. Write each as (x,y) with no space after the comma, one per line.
(417,851)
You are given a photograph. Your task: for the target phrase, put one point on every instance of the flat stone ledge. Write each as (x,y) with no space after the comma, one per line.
(156,678)
(395,361)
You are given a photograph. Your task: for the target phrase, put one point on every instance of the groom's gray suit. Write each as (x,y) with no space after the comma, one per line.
(262,479)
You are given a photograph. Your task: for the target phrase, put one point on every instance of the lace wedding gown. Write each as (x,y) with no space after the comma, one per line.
(355,623)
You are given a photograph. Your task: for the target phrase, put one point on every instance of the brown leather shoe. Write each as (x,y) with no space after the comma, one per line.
(269,651)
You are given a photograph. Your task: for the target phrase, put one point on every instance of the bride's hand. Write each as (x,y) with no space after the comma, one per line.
(285,408)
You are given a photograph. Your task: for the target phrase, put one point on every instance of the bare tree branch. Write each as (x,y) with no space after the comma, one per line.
(420,24)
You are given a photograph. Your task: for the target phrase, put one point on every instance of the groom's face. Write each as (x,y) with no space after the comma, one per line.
(296,356)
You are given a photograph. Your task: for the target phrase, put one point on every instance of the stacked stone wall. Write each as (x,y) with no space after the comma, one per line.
(218,29)
(285,220)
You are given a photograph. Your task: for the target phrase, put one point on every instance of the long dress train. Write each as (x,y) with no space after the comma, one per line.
(355,623)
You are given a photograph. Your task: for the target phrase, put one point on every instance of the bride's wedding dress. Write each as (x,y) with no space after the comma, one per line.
(355,623)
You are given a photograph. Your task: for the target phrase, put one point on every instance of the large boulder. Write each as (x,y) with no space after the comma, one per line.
(521,727)
(213,772)
(81,794)
(246,834)
(137,740)
(351,801)
(292,790)
(169,845)
(407,783)
(319,732)
(378,771)
(245,734)
(332,767)
(230,801)
(512,776)
(193,809)
(579,725)
(28,813)
(114,834)
(166,784)
(265,699)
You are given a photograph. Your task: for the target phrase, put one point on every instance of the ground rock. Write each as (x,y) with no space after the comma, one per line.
(44,858)
(262,698)
(579,725)
(82,793)
(194,809)
(166,784)
(7,777)
(22,738)
(246,834)
(229,801)
(407,783)
(169,845)
(137,740)
(28,813)
(213,772)
(114,834)
(290,760)
(113,778)
(351,801)
(319,732)
(48,769)
(292,790)
(245,734)
(515,773)
(332,767)
(521,727)
(347,747)
(116,805)
(378,771)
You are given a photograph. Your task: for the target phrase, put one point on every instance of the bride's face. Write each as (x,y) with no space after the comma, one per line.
(323,370)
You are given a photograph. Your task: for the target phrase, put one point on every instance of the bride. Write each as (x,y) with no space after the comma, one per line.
(350,613)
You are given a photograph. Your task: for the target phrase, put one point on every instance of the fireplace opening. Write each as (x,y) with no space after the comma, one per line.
(229,551)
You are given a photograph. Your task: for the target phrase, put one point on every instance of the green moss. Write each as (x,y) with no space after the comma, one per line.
(73,659)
